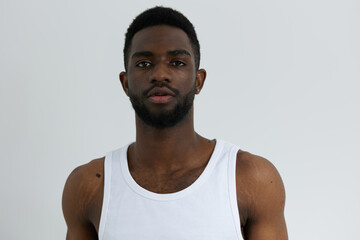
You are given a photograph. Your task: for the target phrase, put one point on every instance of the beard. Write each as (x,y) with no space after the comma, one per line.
(165,119)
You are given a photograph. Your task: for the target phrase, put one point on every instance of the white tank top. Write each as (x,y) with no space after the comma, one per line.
(207,209)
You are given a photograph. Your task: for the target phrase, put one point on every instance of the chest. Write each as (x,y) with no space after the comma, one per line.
(201,211)
(168,182)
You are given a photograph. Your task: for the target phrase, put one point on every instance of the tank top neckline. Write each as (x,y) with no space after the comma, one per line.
(169,196)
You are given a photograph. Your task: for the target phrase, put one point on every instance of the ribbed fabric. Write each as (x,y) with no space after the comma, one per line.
(207,209)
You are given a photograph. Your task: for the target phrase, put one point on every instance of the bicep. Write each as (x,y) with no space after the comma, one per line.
(266,221)
(264,200)
(81,233)
(74,210)
(273,228)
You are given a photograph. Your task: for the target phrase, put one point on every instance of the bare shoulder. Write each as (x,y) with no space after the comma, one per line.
(82,199)
(85,180)
(85,173)
(261,197)
(256,169)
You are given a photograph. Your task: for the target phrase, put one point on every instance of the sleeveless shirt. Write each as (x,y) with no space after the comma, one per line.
(207,209)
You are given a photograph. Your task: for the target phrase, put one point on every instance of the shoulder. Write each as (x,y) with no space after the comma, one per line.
(250,167)
(82,192)
(259,186)
(85,177)
(87,170)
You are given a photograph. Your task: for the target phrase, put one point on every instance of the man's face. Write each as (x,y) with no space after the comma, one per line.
(161,80)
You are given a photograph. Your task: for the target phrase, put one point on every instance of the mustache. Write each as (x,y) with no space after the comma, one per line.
(160,85)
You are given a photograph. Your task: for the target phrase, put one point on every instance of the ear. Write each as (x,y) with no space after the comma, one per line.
(200,80)
(124,82)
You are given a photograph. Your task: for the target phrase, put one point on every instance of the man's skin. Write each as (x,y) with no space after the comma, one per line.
(171,159)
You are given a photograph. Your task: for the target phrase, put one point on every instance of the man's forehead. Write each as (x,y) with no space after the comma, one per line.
(177,52)
(160,37)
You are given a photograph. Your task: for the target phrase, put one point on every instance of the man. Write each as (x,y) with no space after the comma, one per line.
(171,183)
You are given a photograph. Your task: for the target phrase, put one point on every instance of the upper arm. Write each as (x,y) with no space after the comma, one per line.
(261,198)
(77,201)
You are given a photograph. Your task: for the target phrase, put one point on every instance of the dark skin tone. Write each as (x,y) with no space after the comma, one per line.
(169,160)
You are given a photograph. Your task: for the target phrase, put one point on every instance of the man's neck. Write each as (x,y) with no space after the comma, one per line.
(168,149)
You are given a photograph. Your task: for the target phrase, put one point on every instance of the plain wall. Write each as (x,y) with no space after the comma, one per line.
(283,83)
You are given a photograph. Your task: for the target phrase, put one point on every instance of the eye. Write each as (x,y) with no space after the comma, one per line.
(143,64)
(177,63)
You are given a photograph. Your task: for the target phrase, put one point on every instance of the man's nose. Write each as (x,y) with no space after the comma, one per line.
(160,73)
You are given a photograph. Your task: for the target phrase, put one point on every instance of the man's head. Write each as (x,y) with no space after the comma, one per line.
(162,75)
(161,16)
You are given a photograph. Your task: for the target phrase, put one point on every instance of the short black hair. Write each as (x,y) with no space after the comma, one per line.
(162,16)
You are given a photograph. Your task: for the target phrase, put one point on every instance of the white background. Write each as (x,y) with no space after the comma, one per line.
(283,83)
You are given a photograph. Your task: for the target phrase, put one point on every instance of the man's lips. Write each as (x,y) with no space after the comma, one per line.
(157,91)
(160,95)
(160,99)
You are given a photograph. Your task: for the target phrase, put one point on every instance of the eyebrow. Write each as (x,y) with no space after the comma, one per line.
(142,54)
(150,54)
(178,52)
